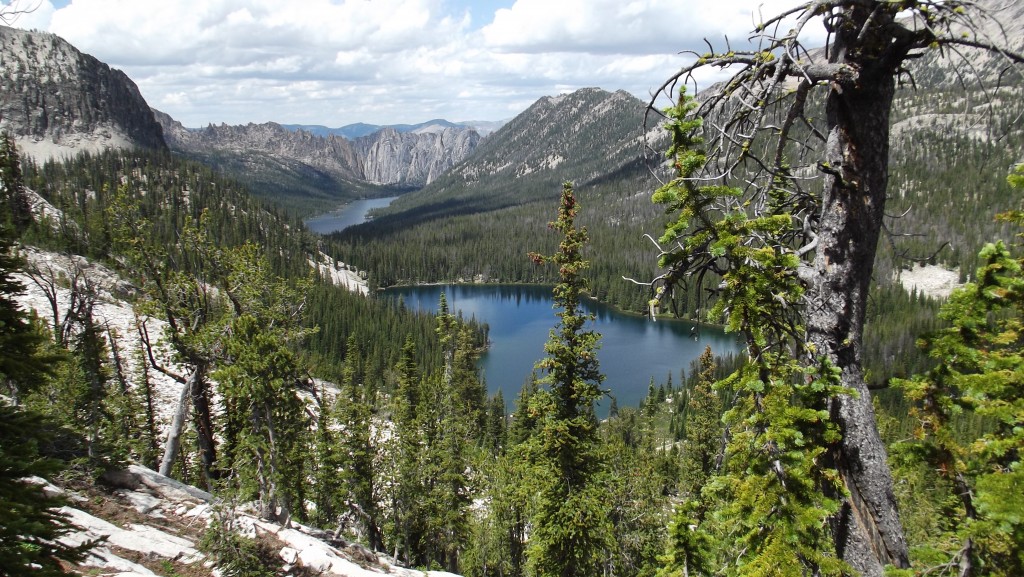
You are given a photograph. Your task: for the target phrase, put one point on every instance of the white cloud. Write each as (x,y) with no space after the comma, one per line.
(335,62)
(618,26)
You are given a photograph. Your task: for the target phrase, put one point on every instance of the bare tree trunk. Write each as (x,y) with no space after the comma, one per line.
(173,443)
(204,425)
(47,281)
(868,530)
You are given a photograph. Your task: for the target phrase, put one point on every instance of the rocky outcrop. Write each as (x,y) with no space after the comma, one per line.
(331,154)
(148,525)
(411,158)
(388,157)
(57,101)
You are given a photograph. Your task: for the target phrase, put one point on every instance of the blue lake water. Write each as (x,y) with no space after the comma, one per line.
(633,349)
(351,214)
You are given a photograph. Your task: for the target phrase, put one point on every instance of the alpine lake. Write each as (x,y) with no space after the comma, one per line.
(634,350)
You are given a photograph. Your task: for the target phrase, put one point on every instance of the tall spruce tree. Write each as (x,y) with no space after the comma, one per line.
(15,211)
(403,450)
(702,446)
(354,411)
(259,378)
(570,528)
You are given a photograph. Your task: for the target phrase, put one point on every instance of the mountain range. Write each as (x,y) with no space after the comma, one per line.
(353,131)
(276,159)
(58,101)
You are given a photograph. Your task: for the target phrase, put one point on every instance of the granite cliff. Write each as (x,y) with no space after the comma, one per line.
(57,101)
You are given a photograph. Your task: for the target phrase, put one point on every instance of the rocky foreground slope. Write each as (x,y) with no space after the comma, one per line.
(152,525)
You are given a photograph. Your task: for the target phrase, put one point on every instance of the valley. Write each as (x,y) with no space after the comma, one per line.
(354,213)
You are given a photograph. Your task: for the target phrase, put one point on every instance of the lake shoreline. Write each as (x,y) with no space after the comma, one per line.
(634,350)
(617,309)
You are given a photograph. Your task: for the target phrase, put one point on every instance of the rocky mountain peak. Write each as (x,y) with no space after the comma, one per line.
(57,101)
(582,134)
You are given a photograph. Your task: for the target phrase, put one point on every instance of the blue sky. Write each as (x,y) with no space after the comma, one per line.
(482,11)
(336,62)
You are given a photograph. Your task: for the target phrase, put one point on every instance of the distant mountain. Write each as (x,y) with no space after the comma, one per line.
(57,101)
(415,158)
(350,131)
(585,136)
(386,157)
(303,170)
(354,131)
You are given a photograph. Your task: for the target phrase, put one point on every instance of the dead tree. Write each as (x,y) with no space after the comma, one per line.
(761,135)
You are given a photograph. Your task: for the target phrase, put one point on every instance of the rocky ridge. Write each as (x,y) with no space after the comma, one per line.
(581,137)
(333,155)
(386,157)
(57,101)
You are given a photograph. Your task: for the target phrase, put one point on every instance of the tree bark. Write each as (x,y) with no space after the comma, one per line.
(173,443)
(204,425)
(868,530)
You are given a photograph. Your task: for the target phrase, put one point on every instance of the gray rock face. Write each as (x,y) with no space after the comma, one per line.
(331,154)
(387,157)
(413,159)
(56,100)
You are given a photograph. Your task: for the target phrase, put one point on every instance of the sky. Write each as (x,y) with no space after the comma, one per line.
(338,62)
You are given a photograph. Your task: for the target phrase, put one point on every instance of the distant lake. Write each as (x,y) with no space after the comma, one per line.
(351,214)
(633,348)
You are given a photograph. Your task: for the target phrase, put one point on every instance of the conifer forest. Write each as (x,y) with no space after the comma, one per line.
(866,429)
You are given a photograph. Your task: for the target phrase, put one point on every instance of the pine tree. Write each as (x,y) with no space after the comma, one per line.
(22,362)
(177,287)
(978,372)
(570,527)
(403,451)
(702,446)
(30,524)
(258,377)
(496,429)
(767,134)
(325,491)
(15,211)
(356,448)
(776,489)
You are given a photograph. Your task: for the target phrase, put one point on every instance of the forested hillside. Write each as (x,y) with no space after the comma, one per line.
(479,220)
